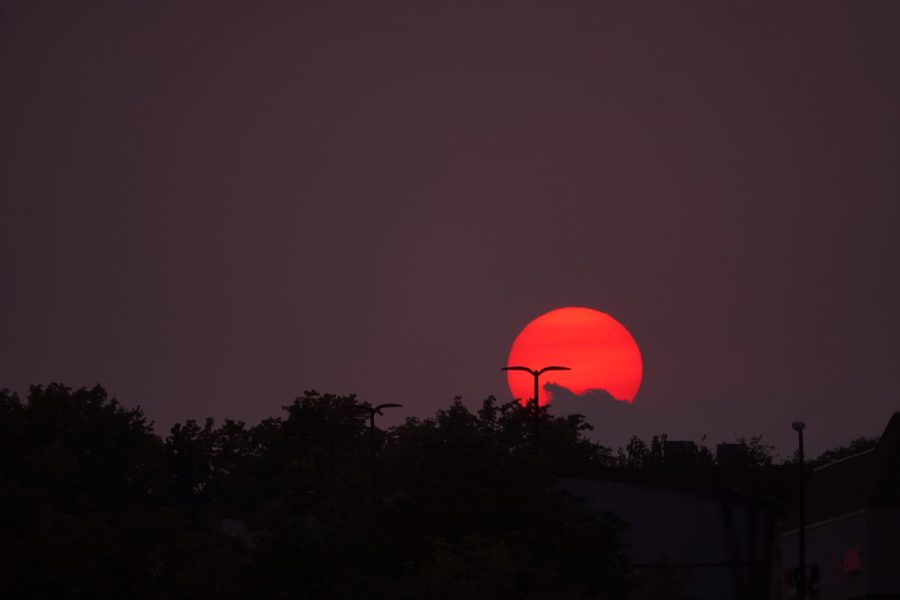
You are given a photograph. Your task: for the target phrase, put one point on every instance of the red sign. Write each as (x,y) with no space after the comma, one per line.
(852,560)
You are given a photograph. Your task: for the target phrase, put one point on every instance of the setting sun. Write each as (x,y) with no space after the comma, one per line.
(600,352)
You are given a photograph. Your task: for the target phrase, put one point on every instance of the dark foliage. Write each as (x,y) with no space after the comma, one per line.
(88,510)
(94,505)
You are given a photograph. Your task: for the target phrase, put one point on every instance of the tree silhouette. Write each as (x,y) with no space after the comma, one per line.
(86,509)
(93,504)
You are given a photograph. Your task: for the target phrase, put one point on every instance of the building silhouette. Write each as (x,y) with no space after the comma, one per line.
(722,540)
(852,526)
(743,546)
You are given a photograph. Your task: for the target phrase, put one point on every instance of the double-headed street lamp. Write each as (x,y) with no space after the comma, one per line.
(537,412)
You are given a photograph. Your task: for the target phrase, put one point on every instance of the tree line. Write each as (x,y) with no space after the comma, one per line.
(94,504)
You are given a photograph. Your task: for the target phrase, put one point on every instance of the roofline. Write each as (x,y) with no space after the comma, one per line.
(840,460)
(841,517)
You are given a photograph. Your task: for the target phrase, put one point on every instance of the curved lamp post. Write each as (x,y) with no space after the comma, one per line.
(799,426)
(537,412)
(372,410)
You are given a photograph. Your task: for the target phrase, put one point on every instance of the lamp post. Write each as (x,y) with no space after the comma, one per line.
(372,410)
(537,414)
(799,426)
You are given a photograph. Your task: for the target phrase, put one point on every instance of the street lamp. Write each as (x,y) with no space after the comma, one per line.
(537,420)
(799,426)
(372,410)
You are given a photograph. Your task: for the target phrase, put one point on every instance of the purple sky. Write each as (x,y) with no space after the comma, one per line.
(209,209)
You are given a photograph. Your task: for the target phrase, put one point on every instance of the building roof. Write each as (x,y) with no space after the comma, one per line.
(868,480)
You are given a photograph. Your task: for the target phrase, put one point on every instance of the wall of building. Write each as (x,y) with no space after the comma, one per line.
(882,562)
(690,529)
(826,543)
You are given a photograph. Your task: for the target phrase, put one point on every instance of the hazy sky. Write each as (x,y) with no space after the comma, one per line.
(211,206)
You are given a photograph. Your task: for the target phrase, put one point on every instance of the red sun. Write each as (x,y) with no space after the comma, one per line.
(600,352)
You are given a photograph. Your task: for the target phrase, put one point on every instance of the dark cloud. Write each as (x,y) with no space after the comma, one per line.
(561,395)
(606,415)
